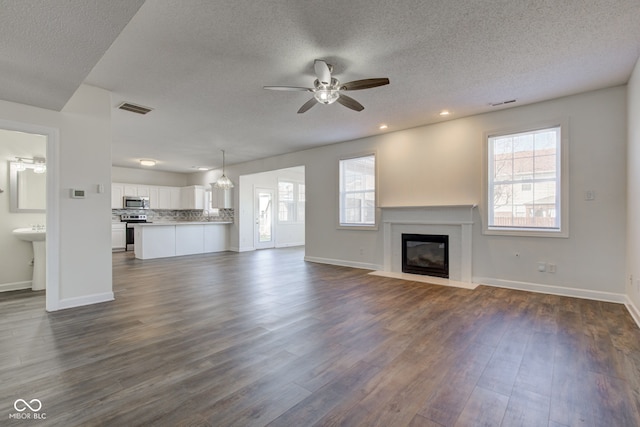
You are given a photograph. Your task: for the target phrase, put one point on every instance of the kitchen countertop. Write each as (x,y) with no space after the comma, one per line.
(151,224)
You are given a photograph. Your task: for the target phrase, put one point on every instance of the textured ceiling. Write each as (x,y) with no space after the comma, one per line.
(202,64)
(47,48)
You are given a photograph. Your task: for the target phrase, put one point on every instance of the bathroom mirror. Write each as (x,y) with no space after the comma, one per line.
(27,189)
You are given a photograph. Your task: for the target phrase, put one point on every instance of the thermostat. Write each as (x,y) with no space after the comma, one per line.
(77,194)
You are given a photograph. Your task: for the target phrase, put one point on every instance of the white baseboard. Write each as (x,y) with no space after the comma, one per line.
(242,249)
(289,245)
(553,290)
(85,300)
(343,263)
(633,311)
(15,286)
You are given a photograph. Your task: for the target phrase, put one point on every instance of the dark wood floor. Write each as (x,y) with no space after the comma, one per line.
(263,338)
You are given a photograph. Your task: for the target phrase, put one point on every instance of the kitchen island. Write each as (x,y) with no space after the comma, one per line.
(169,239)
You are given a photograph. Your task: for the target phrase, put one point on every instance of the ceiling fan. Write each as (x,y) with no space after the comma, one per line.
(327,89)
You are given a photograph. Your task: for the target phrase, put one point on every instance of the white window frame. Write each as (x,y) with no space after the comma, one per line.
(340,202)
(295,203)
(562,187)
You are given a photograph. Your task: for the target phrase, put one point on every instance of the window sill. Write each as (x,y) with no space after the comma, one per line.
(525,232)
(358,227)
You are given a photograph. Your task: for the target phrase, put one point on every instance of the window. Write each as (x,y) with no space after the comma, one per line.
(358,191)
(525,183)
(290,202)
(301,202)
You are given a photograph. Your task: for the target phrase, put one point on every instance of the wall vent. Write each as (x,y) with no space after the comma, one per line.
(139,109)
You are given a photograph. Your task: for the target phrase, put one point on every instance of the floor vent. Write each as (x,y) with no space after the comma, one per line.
(127,106)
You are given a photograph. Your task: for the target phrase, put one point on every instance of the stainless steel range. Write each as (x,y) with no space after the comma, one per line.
(131,220)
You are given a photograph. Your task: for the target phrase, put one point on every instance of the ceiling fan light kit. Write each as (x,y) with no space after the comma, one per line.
(327,89)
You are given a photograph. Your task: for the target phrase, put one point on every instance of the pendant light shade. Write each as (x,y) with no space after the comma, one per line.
(223,182)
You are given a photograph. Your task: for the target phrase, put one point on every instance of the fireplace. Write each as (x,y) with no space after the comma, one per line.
(426,254)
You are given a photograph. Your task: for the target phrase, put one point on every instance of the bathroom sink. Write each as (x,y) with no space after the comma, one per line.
(29,235)
(37,239)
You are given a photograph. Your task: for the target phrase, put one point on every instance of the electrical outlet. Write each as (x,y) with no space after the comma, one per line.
(361,251)
(589,195)
(552,268)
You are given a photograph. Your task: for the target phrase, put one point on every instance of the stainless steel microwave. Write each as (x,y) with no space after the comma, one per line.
(135,202)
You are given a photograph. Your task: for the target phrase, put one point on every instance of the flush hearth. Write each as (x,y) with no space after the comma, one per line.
(426,254)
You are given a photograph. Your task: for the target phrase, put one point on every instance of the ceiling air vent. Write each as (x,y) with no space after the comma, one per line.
(127,106)
(495,104)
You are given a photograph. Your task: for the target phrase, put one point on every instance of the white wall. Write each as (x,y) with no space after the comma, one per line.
(633,189)
(148,177)
(15,271)
(441,164)
(81,228)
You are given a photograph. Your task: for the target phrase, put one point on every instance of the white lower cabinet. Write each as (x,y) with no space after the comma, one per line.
(216,238)
(168,240)
(118,236)
(189,239)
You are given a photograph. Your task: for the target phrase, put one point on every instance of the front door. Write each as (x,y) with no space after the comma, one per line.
(264,237)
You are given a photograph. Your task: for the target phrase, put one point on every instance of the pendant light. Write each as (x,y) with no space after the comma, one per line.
(223,182)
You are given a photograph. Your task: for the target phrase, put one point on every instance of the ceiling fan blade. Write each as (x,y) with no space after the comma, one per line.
(349,102)
(307,105)
(322,71)
(292,88)
(364,84)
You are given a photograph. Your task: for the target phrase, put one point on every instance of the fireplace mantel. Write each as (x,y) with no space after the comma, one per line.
(456,221)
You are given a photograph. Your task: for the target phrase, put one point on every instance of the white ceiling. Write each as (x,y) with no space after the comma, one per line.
(201,65)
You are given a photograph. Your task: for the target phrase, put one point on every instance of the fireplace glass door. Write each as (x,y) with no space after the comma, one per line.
(425,254)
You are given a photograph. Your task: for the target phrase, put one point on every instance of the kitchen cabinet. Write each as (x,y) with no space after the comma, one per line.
(216,238)
(130,190)
(164,198)
(189,239)
(154,202)
(117,193)
(160,197)
(161,240)
(192,197)
(143,191)
(221,199)
(118,236)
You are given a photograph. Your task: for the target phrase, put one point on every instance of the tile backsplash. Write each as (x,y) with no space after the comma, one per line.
(160,215)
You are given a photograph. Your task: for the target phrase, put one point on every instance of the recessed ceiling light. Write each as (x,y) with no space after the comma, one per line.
(145,162)
(444,113)
(383,127)
(202,168)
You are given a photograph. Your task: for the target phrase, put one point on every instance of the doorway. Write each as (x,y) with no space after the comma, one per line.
(286,188)
(264,227)
(27,145)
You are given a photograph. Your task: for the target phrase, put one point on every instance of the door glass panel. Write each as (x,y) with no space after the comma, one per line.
(264,217)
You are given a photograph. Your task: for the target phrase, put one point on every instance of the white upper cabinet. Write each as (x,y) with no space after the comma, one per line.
(221,199)
(192,197)
(154,202)
(143,191)
(160,197)
(117,193)
(130,190)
